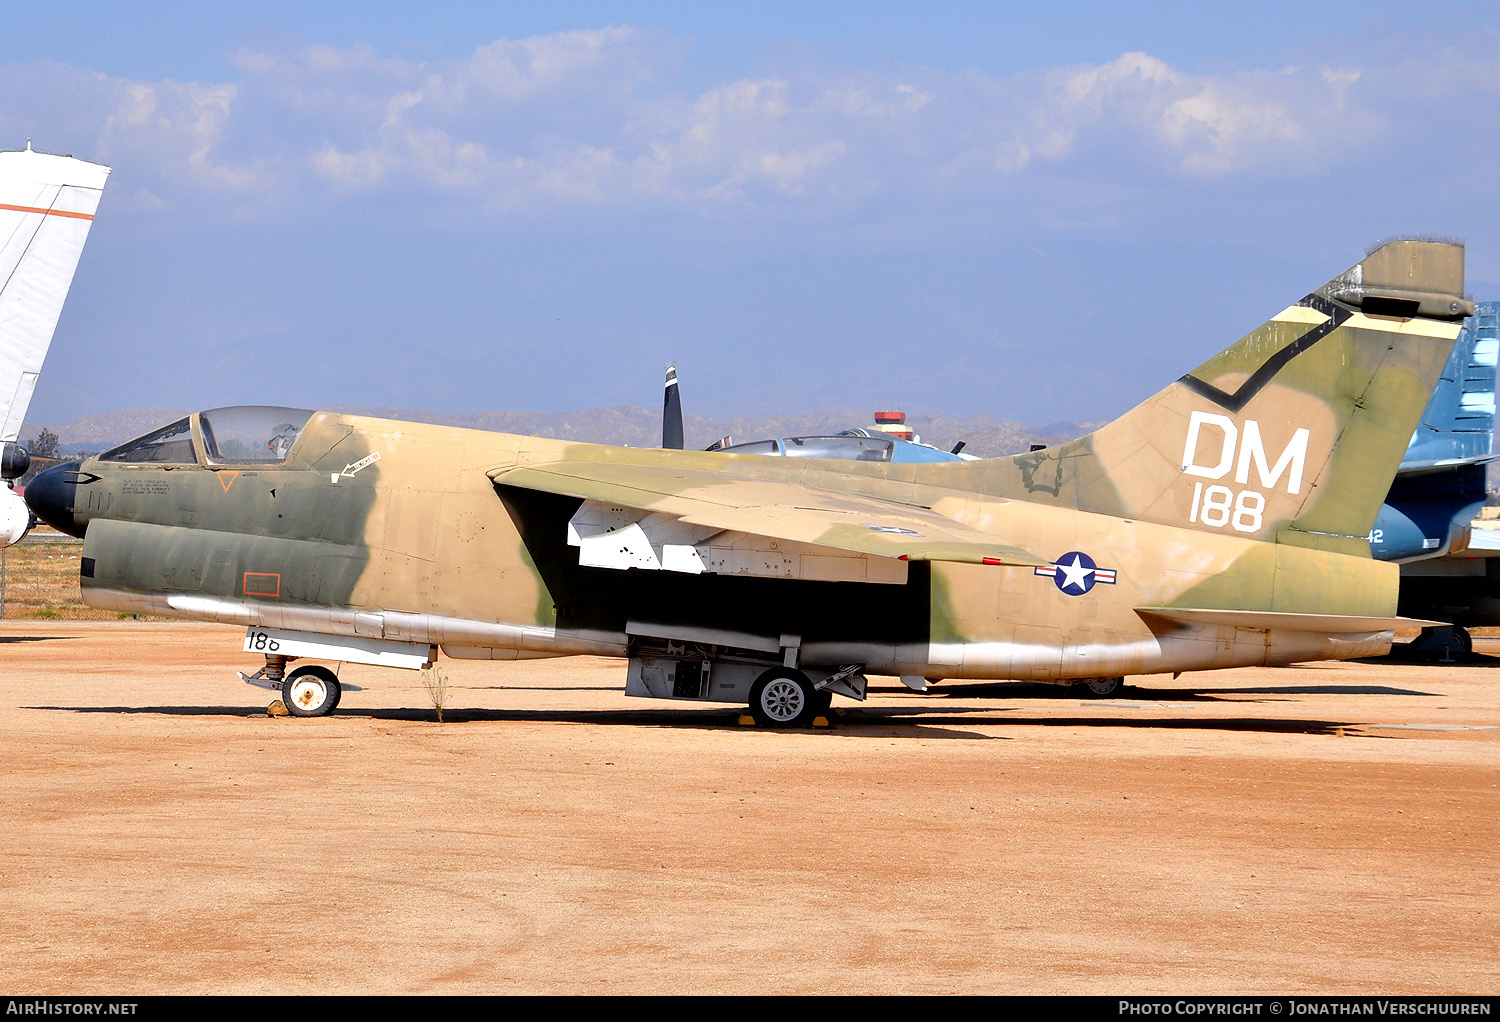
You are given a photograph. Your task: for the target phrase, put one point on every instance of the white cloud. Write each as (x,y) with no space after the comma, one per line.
(361,170)
(592,118)
(1196,125)
(183,122)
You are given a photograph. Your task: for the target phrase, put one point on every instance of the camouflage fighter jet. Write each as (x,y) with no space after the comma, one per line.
(1222,523)
(47,204)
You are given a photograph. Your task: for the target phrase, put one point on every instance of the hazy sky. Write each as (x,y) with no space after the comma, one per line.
(940,207)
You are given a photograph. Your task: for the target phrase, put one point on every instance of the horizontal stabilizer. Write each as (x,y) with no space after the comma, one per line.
(1330,624)
(1417,468)
(1479,543)
(777,510)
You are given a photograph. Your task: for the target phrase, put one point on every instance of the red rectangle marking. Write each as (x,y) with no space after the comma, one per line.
(263,583)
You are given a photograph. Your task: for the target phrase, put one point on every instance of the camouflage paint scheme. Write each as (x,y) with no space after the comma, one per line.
(1223,522)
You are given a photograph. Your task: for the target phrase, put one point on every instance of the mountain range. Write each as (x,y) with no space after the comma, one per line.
(628,425)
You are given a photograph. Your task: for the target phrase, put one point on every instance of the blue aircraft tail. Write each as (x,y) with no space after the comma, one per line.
(1460,419)
(1440,486)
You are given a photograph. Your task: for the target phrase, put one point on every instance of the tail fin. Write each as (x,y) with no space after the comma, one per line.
(1459,423)
(1440,486)
(671,413)
(47,204)
(1292,434)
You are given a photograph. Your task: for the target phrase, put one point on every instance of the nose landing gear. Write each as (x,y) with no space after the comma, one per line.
(311,691)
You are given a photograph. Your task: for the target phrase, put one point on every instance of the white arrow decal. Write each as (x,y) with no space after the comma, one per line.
(354,467)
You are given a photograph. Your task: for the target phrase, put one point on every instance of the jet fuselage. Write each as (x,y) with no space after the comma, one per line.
(396,530)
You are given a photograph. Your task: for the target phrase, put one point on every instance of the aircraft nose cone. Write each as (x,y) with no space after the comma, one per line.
(51,496)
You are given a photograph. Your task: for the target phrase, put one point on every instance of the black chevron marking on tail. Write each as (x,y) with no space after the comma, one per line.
(1337,316)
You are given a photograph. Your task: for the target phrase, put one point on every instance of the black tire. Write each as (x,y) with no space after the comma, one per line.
(822,702)
(1100,688)
(783,697)
(311,691)
(1442,644)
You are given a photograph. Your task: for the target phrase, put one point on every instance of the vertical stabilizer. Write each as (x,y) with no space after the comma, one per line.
(1441,484)
(1293,433)
(1459,422)
(47,205)
(671,413)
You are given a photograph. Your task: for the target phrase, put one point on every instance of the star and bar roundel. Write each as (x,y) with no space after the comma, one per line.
(1075,573)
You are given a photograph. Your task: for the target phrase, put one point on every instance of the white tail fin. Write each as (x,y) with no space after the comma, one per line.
(47,204)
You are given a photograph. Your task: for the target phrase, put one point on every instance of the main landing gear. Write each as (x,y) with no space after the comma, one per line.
(777,695)
(1099,688)
(1444,644)
(783,697)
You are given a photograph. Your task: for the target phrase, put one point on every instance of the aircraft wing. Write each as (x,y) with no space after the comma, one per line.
(719,501)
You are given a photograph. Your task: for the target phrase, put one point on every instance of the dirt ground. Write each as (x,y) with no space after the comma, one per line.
(1329,828)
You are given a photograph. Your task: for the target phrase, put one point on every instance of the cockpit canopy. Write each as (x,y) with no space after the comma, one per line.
(238,435)
(170,445)
(251,434)
(844,448)
(850,445)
